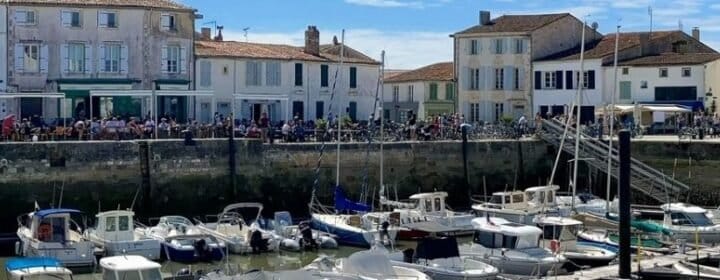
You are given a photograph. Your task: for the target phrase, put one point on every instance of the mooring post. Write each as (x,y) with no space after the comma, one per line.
(145,182)
(464,128)
(625,197)
(231,160)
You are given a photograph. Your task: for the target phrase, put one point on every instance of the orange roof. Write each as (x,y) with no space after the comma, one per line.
(515,23)
(435,72)
(164,4)
(233,49)
(671,59)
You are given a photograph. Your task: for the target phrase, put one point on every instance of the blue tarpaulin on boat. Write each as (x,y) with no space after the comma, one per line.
(342,203)
(47,212)
(25,263)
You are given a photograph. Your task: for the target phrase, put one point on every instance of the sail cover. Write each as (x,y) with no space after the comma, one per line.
(342,203)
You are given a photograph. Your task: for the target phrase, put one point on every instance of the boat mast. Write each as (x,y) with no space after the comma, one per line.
(578,106)
(382,116)
(611,120)
(340,108)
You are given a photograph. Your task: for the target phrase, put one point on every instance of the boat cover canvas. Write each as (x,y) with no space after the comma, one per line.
(47,212)
(25,263)
(437,248)
(342,203)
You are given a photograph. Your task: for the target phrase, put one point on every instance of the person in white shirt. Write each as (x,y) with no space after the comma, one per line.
(286,131)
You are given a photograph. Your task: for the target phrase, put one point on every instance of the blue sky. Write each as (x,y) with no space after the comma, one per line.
(415,32)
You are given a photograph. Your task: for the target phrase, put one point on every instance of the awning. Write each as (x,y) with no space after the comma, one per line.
(618,109)
(666,108)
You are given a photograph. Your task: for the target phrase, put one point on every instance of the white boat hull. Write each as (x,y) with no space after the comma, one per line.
(149,248)
(70,254)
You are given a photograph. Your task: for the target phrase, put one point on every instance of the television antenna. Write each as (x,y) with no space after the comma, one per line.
(245,33)
(214,25)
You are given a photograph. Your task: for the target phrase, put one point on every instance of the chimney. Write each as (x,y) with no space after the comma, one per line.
(696,33)
(312,40)
(219,37)
(335,41)
(205,33)
(484,17)
(644,43)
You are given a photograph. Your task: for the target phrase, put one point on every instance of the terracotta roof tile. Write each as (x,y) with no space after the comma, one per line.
(165,4)
(672,59)
(606,46)
(515,23)
(234,49)
(389,73)
(435,72)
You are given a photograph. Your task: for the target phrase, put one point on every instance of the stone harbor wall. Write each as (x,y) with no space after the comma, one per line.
(168,177)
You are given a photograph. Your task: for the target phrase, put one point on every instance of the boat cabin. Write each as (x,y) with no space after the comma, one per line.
(498,233)
(115,225)
(36,268)
(681,214)
(531,197)
(559,228)
(130,267)
(433,202)
(51,225)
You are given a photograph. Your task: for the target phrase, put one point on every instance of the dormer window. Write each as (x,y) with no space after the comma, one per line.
(168,22)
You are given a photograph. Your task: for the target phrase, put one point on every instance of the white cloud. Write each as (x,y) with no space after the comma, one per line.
(403,49)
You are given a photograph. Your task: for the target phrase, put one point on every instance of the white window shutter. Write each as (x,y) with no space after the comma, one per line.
(182,60)
(249,73)
(163,59)
(20,16)
(101,58)
(102,19)
(124,58)
(66,18)
(19,58)
(521,78)
(44,55)
(165,22)
(278,74)
(88,59)
(64,58)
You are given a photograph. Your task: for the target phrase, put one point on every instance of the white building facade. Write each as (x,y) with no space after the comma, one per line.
(557,83)
(284,82)
(426,91)
(3,66)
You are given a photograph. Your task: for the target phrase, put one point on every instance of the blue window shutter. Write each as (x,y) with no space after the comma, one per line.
(521,78)
(508,73)
(569,79)
(558,79)
(591,79)
(465,78)
(538,80)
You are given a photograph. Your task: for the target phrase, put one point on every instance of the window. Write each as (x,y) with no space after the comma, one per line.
(111,61)
(128,275)
(167,22)
(516,82)
(519,46)
(396,93)
(107,20)
(25,17)
(474,112)
(433,91)
(298,74)
(172,61)
(205,73)
(110,224)
(625,93)
(643,84)
(353,77)
(474,78)
(550,80)
(625,71)
(324,69)
(485,239)
(449,91)
(586,79)
(499,78)
(76,58)
(123,223)
(31,58)
(686,72)
(474,47)
(411,93)
(272,74)
(663,72)
(253,73)
(438,204)
(71,18)
(498,46)
(152,273)
(319,109)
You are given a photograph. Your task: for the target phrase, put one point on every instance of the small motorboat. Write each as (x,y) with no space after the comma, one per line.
(242,236)
(53,233)
(36,268)
(368,265)
(440,259)
(426,214)
(301,236)
(512,248)
(689,222)
(560,236)
(611,239)
(130,267)
(520,206)
(694,270)
(114,234)
(280,275)
(182,241)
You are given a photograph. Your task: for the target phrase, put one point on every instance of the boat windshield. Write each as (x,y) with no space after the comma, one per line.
(690,219)
(174,220)
(499,241)
(47,277)
(414,202)
(146,274)
(498,199)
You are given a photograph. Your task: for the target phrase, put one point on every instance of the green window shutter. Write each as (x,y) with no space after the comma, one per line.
(625,92)
(433,91)
(449,91)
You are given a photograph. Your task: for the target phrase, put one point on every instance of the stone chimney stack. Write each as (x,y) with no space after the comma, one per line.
(696,33)
(312,40)
(205,33)
(484,17)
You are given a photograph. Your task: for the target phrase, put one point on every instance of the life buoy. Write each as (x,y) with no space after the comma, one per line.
(554,246)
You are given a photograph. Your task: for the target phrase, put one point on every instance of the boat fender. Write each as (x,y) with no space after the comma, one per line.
(18,248)
(555,246)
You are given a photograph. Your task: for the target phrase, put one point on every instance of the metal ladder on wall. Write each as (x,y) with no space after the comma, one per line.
(643,178)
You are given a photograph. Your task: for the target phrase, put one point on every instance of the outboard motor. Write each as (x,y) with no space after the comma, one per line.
(408,255)
(257,243)
(307,241)
(202,250)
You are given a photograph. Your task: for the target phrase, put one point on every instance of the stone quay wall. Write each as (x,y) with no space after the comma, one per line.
(168,177)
